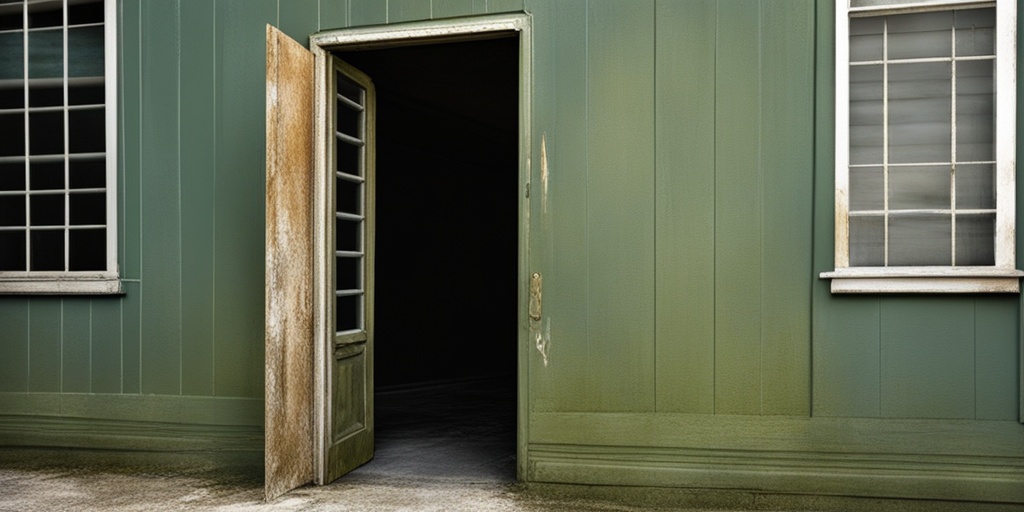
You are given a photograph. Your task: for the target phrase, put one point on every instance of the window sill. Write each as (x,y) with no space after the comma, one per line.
(924,280)
(63,285)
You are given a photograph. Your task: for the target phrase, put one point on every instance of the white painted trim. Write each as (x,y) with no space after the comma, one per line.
(404,34)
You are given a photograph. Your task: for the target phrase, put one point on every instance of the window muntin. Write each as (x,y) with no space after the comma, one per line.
(924,145)
(57,158)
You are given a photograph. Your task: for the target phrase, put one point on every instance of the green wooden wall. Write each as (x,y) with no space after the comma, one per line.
(184,345)
(682,209)
(676,231)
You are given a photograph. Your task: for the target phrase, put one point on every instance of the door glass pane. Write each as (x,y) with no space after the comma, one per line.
(348,313)
(348,273)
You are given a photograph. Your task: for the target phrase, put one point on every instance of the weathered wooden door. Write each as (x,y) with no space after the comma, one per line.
(319,269)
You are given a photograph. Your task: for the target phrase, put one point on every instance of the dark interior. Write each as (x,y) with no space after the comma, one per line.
(446,257)
(447,210)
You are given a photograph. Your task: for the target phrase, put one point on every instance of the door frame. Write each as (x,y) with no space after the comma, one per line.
(322,45)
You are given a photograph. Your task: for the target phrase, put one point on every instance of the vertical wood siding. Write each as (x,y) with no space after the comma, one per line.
(191,186)
(682,210)
(679,228)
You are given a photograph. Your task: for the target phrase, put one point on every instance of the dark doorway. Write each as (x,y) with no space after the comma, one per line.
(446,256)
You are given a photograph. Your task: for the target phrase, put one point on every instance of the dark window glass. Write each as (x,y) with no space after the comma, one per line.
(13,255)
(47,250)
(88,209)
(47,209)
(88,250)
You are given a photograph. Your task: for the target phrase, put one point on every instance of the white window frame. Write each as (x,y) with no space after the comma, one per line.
(1000,277)
(86,282)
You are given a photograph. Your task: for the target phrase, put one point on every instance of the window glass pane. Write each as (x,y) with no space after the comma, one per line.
(46,133)
(46,54)
(866,189)
(11,17)
(46,94)
(975,239)
(867,241)
(920,112)
(47,209)
(85,130)
(46,175)
(83,13)
(866,135)
(13,255)
(12,55)
(47,248)
(12,176)
(866,39)
(46,14)
(12,95)
(88,173)
(89,208)
(920,35)
(85,51)
(975,32)
(919,188)
(86,92)
(12,211)
(88,249)
(13,141)
(920,240)
(975,186)
(975,111)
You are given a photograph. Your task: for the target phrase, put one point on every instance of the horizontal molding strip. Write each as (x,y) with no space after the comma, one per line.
(841,436)
(48,431)
(172,409)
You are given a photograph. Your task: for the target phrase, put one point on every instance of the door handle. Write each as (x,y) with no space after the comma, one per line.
(536,284)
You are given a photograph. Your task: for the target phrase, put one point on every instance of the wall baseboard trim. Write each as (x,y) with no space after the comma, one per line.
(57,432)
(877,475)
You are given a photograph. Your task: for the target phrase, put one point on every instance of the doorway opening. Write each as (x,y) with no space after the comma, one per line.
(446,266)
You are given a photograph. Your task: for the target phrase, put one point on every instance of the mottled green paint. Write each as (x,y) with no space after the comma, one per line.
(240,195)
(620,206)
(44,350)
(76,349)
(298,19)
(408,10)
(496,6)
(160,200)
(333,14)
(367,12)
(738,210)
(105,347)
(131,339)
(786,152)
(451,8)
(197,132)
(130,67)
(559,203)
(14,343)
(995,344)
(685,206)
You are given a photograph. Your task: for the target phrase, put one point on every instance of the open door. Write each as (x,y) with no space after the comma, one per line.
(347,270)
(319,268)
(288,415)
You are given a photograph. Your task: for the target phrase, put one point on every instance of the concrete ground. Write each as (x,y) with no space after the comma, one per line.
(439,448)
